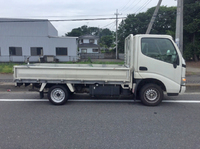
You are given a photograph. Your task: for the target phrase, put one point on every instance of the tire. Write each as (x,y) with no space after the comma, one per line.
(58,95)
(151,95)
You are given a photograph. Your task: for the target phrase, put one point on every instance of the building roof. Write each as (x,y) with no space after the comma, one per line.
(63,37)
(26,27)
(21,20)
(88,37)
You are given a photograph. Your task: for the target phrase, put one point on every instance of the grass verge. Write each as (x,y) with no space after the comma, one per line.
(7,67)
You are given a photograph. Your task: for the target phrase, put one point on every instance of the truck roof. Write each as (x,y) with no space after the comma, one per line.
(154,35)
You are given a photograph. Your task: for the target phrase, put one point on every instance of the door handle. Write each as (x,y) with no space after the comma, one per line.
(142,68)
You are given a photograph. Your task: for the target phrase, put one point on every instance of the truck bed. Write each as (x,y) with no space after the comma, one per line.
(71,73)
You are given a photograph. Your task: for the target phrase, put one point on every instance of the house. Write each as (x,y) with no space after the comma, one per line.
(88,44)
(34,38)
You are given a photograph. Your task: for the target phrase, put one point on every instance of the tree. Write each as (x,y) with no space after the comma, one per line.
(74,33)
(107,41)
(105,35)
(83,30)
(106,38)
(138,23)
(191,29)
(105,32)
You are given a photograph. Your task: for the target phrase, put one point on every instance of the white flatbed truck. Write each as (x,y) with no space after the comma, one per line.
(153,65)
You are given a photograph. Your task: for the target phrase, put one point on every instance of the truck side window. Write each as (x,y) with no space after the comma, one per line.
(160,49)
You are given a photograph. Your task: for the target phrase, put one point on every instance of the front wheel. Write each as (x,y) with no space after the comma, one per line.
(151,95)
(58,95)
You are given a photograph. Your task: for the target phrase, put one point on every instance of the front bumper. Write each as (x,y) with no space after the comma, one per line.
(182,90)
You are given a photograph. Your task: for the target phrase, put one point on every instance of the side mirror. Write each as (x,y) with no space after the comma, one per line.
(175,64)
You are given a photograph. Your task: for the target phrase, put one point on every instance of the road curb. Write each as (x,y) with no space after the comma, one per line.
(7,83)
(192,84)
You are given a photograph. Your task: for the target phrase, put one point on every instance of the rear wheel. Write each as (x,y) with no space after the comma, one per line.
(151,95)
(58,95)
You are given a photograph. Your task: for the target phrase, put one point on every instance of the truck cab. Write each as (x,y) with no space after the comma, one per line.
(157,65)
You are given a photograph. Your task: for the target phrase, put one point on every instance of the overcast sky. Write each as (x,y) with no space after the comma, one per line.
(76,9)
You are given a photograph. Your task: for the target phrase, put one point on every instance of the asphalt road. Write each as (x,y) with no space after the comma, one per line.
(97,125)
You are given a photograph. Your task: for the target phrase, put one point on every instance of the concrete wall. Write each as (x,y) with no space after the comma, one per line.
(26,33)
(52,30)
(69,42)
(48,44)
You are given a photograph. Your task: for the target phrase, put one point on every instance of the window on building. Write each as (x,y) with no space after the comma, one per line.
(95,50)
(91,40)
(0,51)
(36,51)
(81,40)
(15,51)
(61,51)
(83,50)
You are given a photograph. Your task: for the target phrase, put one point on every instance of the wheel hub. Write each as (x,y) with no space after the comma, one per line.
(151,95)
(57,95)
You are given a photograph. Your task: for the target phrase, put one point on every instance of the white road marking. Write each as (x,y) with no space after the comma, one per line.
(23,99)
(104,100)
(182,101)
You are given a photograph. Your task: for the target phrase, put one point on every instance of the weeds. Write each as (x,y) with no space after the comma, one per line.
(6,67)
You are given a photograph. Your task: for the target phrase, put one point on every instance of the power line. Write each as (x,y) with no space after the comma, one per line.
(64,20)
(125,5)
(88,19)
(130,6)
(83,15)
(144,5)
(109,24)
(113,26)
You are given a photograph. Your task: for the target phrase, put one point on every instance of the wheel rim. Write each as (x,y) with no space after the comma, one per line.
(57,95)
(151,95)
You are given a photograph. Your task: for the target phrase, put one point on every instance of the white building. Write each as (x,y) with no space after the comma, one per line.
(22,38)
(88,44)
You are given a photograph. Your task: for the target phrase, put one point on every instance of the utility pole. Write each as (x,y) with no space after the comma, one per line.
(153,17)
(179,25)
(116,32)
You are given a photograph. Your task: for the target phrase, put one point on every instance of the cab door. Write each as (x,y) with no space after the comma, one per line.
(158,59)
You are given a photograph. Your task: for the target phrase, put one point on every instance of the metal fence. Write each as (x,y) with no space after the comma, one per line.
(121,56)
(13,58)
(101,55)
(23,59)
(91,55)
(97,55)
(26,58)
